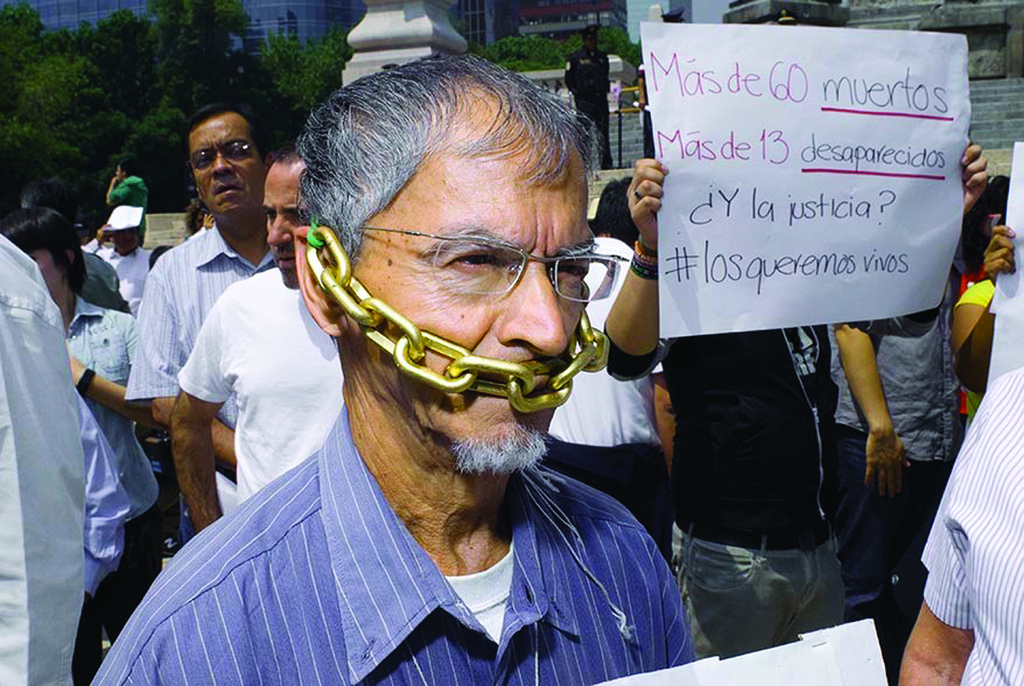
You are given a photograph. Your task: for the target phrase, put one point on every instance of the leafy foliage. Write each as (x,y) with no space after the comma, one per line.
(534,53)
(77,101)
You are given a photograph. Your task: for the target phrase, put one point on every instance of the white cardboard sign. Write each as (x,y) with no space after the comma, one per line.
(1008,303)
(814,172)
(846,655)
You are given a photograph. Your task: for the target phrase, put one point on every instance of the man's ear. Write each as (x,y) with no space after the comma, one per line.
(325,311)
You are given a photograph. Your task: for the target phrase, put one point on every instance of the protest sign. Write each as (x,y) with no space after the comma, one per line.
(845,655)
(814,173)
(1008,303)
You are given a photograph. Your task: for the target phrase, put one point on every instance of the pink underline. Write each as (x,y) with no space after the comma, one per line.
(887,114)
(874,173)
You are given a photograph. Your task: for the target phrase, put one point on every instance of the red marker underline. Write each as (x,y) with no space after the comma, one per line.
(887,114)
(873,173)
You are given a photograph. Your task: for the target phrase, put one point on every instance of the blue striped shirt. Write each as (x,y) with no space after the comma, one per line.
(180,291)
(316,580)
(975,552)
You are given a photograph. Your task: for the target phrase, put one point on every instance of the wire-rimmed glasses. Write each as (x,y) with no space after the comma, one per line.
(482,265)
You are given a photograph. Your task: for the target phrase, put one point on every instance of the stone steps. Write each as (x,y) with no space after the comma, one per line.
(997,117)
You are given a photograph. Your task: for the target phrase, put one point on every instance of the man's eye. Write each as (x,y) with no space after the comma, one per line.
(481,259)
(237,149)
(202,158)
(574,268)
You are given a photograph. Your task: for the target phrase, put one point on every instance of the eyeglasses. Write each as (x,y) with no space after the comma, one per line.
(233,151)
(479,265)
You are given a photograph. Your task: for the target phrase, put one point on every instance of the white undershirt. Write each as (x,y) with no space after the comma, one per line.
(486,594)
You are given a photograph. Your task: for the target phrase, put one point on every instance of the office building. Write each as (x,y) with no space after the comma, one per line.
(563,18)
(304,19)
(485,21)
(637,11)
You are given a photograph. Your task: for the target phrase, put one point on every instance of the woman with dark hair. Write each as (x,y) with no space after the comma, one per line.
(102,344)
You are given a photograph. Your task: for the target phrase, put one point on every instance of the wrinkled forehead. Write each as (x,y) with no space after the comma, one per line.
(218,129)
(481,126)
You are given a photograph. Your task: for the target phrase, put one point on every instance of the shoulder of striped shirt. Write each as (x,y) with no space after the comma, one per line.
(256,529)
(581,500)
(180,260)
(997,423)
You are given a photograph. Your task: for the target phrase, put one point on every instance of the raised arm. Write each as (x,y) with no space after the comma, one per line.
(633,322)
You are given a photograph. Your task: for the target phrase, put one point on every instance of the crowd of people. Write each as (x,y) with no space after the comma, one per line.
(379,355)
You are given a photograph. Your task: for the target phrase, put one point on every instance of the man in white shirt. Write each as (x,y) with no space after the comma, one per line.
(259,343)
(42,488)
(126,254)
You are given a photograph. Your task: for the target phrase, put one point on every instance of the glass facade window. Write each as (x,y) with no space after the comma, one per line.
(304,19)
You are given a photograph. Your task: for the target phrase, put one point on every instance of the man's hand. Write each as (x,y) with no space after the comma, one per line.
(886,458)
(999,253)
(645,194)
(975,175)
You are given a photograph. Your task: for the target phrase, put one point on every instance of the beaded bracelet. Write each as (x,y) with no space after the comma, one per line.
(649,262)
(644,269)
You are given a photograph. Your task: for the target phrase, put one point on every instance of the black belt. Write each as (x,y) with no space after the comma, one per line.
(806,540)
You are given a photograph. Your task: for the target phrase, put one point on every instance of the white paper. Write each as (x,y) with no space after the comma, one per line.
(814,173)
(846,655)
(1007,304)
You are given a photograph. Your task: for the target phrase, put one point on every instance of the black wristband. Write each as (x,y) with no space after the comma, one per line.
(84,382)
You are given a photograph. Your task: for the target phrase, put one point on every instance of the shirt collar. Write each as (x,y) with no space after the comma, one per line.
(388,583)
(213,246)
(84,308)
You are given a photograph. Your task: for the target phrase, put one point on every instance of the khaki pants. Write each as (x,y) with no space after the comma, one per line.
(740,600)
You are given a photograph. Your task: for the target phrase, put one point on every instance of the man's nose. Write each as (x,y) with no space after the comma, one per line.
(536,315)
(279,233)
(220,163)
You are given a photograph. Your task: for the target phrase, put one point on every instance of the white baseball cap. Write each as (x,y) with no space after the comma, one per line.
(124,217)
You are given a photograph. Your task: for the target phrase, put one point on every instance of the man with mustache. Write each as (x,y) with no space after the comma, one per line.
(226,146)
(449,256)
(260,346)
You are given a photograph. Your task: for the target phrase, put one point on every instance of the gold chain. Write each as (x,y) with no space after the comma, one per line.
(588,349)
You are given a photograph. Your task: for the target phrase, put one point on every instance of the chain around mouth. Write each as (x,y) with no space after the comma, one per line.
(587,351)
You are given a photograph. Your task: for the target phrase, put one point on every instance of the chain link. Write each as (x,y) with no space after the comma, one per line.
(519,382)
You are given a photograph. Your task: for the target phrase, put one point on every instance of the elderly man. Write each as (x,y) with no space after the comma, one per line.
(260,345)
(226,147)
(422,544)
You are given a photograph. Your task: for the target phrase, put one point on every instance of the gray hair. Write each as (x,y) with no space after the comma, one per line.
(365,142)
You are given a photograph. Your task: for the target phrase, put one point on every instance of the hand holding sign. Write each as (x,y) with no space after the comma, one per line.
(645,192)
(815,172)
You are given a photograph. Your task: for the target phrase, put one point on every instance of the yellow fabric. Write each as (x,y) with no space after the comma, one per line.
(979,294)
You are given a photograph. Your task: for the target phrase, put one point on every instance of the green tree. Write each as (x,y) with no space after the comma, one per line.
(529,53)
(534,53)
(20,41)
(76,101)
(305,73)
(122,49)
(197,61)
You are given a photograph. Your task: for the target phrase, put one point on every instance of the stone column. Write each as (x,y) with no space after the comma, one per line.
(397,32)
